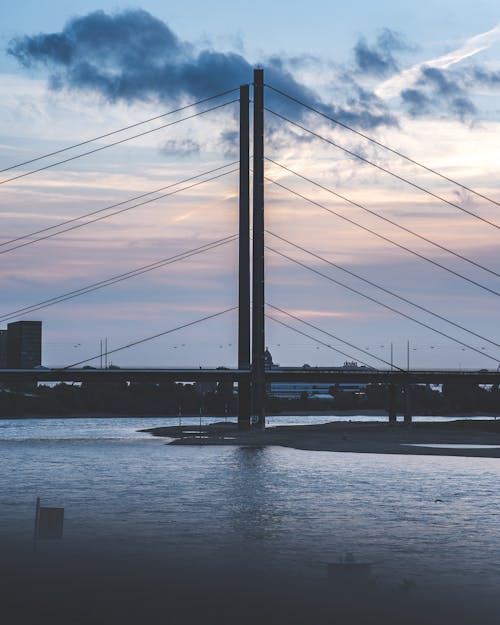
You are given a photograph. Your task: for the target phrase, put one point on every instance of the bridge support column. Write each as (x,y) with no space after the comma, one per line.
(408,415)
(244,388)
(393,413)
(258,329)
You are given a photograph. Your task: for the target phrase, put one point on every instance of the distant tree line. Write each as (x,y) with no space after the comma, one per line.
(118,398)
(169,398)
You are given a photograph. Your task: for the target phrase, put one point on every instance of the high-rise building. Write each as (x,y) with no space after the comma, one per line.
(3,349)
(24,344)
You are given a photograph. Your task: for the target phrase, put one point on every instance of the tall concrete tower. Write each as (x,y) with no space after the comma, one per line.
(24,344)
(3,349)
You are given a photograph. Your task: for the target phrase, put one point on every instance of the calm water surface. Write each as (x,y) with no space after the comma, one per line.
(419,517)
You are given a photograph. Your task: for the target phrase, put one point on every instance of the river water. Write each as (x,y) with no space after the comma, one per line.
(421,521)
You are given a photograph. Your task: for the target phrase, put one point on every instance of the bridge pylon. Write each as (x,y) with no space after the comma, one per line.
(258,303)
(244,332)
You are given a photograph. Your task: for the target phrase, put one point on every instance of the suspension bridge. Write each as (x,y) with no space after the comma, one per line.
(251,374)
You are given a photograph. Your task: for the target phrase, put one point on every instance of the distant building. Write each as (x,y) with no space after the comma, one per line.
(205,388)
(311,390)
(297,390)
(24,344)
(3,349)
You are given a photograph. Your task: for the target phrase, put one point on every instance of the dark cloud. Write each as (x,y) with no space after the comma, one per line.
(378,59)
(371,61)
(179,147)
(392,41)
(439,82)
(229,140)
(463,107)
(449,89)
(437,90)
(360,102)
(485,77)
(416,101)
(131,56)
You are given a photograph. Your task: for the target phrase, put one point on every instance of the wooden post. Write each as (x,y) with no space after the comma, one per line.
(37,520)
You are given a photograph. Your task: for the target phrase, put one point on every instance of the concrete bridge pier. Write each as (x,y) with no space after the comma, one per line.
(408,412)
(393,392)
(244,405)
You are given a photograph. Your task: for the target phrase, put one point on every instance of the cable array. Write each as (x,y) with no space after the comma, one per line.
(385,290)
(114,132)
(315,327)
(316,340)
(151,337)
(386,219)
(109,145)
(384,238)
(382,145)
(383,169)
(74,223)
(118,278)
(77,222)
(122,210)
(376,301)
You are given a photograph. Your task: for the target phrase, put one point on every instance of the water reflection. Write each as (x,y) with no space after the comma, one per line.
(246,513)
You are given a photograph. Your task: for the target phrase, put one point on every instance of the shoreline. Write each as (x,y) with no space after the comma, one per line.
(367,412)
(350,437)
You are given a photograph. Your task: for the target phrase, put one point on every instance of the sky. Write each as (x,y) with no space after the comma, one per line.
(423,79)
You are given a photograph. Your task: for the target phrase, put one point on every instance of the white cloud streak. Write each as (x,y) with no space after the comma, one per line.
(393,86)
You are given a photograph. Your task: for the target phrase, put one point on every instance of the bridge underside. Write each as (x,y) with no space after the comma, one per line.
(334,376)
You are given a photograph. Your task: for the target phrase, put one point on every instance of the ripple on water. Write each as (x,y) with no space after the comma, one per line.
(420,516)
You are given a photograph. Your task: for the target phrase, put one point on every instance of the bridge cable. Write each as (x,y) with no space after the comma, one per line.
(311,325)
(386,219)
(122,210)
(376,301)
(387,171)
(384,238)
(114,132)
(102,210)
(150,338)
(383,145)
(286,325)
(118,278)
(385,290)
(109,145)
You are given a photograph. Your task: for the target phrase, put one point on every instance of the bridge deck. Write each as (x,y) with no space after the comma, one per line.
(289,374)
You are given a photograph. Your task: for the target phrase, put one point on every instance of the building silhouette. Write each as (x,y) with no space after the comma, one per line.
(24,344)
(3,349)
(311,390)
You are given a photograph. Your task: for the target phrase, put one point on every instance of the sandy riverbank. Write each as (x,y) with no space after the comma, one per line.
(362,412)
(353,437)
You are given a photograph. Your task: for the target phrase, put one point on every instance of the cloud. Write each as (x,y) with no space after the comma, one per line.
(361,100)
(178,147)
(416,101)
(439,81)
(485,77)
(406,79)
(132,56)
(128,56)
(378,59)
(439,90)
(448,88)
